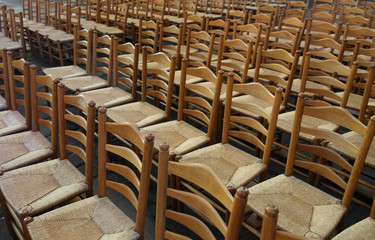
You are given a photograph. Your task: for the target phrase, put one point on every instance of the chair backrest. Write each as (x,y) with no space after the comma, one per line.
(126,57)
(157,87)
(64,17)
(52,14)
(139,172)
(102,56)
(45,114)
(170,42)
(269,227)
(217,6)
(199,45)
(19,73)
(206,112)
(83,143)
(34,10)
(368,89)
(8,24)
(142,9)
(5,76)
(237,55)
(325,155)
(42,11)
(75,19)
(217,26)
(203,177)
(17,19)
(26,8)
(82,47)
(175,8)
(280,61)
(158,8)
(283,39)
(264,141)
(148,34)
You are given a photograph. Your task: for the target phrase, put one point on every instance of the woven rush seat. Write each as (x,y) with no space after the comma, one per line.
(264,71)
(91,218)
(10,45)
(3,104)
(109,30)
(304,209)
(233,167)
(50,32)
(140,113)
(362,230)
(182,136)
(84,83)
(64,72)
(39,187)
(108,97)
(23,149)
(356,139)
(62,37)
(11,122)
(354,101)
(189,78)
(285,120)
(297,85)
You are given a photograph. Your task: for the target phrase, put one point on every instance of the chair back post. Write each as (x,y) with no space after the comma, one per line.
(215,105)
(11,83)
(269,224)
(102,154)
(366,95)
(62,123)
(5,74)
(227,109)
(162,185)
(236,216)
(372,213)
(90,148)
(359,162)
(349,84)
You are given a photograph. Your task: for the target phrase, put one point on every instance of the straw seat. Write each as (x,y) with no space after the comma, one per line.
(108,97)
(362,230)
(84,83)
(296,86)
(3,104)
(23,149)
(65,72)
(317,213)
(39,187)
(255,100)
(11,122)
(233,166)
(182,136)
(98,218)
(354,101)
(189,78)
(285,120)
(10,45)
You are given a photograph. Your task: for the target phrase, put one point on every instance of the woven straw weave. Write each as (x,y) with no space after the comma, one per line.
(189,78)
(233,166)
(356,139)
(65,72)
(39,187)
(140,113)
(285,123)
(181,136)
(23,149)
(11,122)
(3,104)
(354,101)
(303,209)
(85,83)
(362,230)
(91,218)
(108,97)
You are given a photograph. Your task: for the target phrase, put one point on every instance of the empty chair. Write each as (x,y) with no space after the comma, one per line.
(204,178)
(35,189)
(26,148)
(101,217)
(304,209)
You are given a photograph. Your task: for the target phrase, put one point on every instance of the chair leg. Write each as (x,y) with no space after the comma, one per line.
(60,53)
(39,43)
(7,216)
(49,49)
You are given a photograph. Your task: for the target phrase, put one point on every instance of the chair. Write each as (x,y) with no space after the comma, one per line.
(102,217)
(171,42)
(361,230)
(82,55)
(304,209)
(11,120)
(112,95)
(183,136)
(199,48)
(35,189)
(149,34)
(204,178)
(157,10)
(235,167)
(143,113)
(30,147)
(5,102)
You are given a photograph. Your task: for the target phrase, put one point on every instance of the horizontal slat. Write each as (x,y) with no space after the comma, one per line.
(126,172)
(125,191)
(77,150)
(77,135)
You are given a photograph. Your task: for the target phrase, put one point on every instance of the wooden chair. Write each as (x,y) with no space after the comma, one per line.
(112,95)
(203,177)
(217,26)
(199,48)
(54,182)
(13,121)
(142,113)
(284,40)
(103,218)
(142,9)
(82,55)
(268,9)
(269,226)
(149,34)
(16,42)
(183,136)
(297,13)
(5,102)
(171,42)
(235,167)
(261,18)
(320,213)
(157,10)
(363,229)
(29,147)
